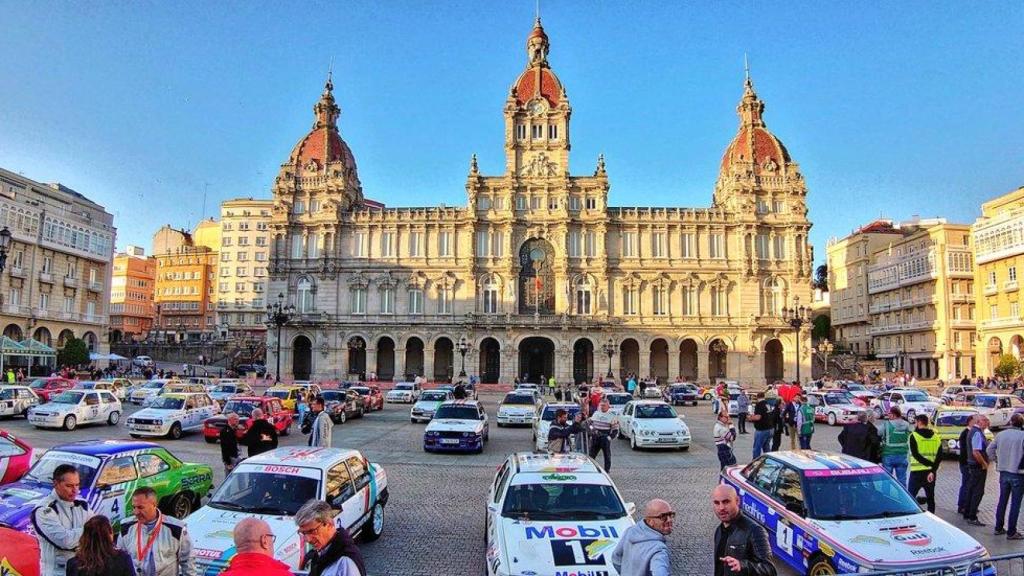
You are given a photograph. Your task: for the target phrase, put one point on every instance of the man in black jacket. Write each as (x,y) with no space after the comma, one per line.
(741,546)
(861,439)
(229,443)
(965,450)
(261,435)
(334,551)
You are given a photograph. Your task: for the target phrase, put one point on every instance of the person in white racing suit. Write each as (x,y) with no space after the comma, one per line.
(59,520)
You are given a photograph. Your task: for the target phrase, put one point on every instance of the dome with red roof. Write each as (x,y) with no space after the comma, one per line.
(323,144)
(754,145)
(538,82)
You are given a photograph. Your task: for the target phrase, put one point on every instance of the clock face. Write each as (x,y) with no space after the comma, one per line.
(537,106)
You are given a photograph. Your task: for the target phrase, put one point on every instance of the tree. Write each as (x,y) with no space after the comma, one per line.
(821,278)
(822,328)
(74,353)
(1008,367)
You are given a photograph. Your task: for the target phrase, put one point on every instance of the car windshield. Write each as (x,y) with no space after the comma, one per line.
(40,383)
(403,387)
(7,393)
(563,502)
(361,391)
(857,497)
(68,398)
(985,401)
(434,396)
(226,388)
(549,413)
(456,412)
(915,397)
(519,399)
(618,399)
(857,387)
(154,385)
(241,407)
(679,389)
(264,493)
(333,395)
(276,393)
(953,419)
(42,472)
(654,411)
(838,398)
(165,403)
(86,385)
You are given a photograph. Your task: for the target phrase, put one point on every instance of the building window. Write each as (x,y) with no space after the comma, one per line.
(299,207)
(778,206)
(538,131)
(44,301)
(444,244)
(686,245)
(15,297)
(780,247)
(69,304)
(629,244)
(689,301)
(90,309)
(387,300)
(305,296)
(481,244)
(535,203)
(658,245)
(297,247)
(762,207)
(520,131)
(444,301)
(314,246)
(483,203)
(574,244)
(991,278)
(660,302)
(590,244)
(761,242)
(314,206)
(584,293)
(591,203)
(1011,274)
(416,244)
(629,302)
(490,296)
(1014,310)
(225,257)
(993,312)
(715,249)
(719,305)
(574,203)
(553,132)
(47,264)
(387,244)
(520,202)
(415,301)
(497,244)
(359,300)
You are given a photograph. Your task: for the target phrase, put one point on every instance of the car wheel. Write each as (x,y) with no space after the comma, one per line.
(175,432)
(180,506)
(70,423)
(632,443)
(134,435)
(342,417)
(113,418)
(413,420)
(375,525)
(694,402)
(210,440)
(500,425)
(707,396)
(831,418)
(820,566)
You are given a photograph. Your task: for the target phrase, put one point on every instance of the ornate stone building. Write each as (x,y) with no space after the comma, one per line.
(537,272)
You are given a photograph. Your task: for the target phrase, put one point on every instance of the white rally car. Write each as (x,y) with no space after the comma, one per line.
(273,486)
(547,416)
(73,407)
(653,424)
(424,408)
(910,401)
(517,408)
(147,391)
(998,407)
(405,392)
(173,414)
(16,400)
(834,406)
(457,426)
(553,514)
(617,401)
(829,513)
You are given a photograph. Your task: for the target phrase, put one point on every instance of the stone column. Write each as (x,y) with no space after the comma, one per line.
(673,364)
(371,360)
(563,364)
(399,364)
(644,370)
(703,376)
(428,363)
(509,364)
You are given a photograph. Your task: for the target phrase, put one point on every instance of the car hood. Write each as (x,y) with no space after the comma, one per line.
(53,408)
(452,425)
(427,405)
(17,501)
(850,407)
(211,531)
(521,409)
(660,424)
(530,546)
(399,392)
(894,542)
(156,413)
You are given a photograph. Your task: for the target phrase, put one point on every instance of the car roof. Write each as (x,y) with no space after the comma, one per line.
(537,462)
(955,409)
(104,447)
(557,405)
(650,402)
(303,456)
(462,402)
(805,460)
(260,399)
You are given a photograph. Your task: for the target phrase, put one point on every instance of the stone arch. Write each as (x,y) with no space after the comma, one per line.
(62,338)
(995,350)
(414,356)
(629,358)
(13,331)
(536,277)
(774,369)
(1017,346)
(385,358)
(658,365)
(582,360)
(42,334)
(688,359)
(302,357)
(536,358)
(356,346)
(90,341)
(718,355)
(490,360)
(444,359)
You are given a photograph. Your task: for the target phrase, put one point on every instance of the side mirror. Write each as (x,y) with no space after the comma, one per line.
(630,508)
(492,507)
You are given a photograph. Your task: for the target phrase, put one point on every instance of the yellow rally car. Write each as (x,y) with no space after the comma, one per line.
(949,422)
(289,395)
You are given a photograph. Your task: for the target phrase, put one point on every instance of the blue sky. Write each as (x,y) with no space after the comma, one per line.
(891,108)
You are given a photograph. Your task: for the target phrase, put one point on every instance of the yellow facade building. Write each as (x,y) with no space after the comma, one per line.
(999,254)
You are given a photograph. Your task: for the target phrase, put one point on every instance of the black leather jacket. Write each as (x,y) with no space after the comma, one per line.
(747,543)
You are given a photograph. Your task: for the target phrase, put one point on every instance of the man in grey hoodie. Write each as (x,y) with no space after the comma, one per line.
(642,551)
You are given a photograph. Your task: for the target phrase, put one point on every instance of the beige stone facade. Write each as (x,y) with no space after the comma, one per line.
(998,238)
(57,280)
(244,257)
(921,301)
(537,272)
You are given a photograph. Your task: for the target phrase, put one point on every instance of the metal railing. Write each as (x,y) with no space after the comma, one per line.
(1004,565)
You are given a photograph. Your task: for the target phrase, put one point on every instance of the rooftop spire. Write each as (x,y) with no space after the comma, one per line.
(751,107)
(326,110)
(537,45)
(330,76)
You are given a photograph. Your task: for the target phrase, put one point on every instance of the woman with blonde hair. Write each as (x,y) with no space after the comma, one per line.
(96,555)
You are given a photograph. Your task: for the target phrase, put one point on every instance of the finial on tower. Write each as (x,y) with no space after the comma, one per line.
(600,165)
(330,76)
(473,168)
(537,45)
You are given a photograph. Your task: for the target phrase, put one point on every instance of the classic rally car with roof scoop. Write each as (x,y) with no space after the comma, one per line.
(109,471)
(828,513)
(405,392)
(910,401)
(457,426)
(653,424)
(373,398)
(834,406)
(273,486)
(553,514)
(547,415)
(147,391)
(682,393)
(222,391)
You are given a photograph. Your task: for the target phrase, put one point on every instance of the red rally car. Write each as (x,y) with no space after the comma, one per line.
(46,387)
(373,398)
(274,412)
(15,458)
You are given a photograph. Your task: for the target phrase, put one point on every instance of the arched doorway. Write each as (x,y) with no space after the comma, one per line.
(536,359)
(357,357)
(688,360)
(115,336)
(629,359)
(302,358)
(42,335)
(536,277)
(414,357)
(773,366)
(490,361)
(13,331)
(718,352)
(995,350)
(659,360)
(582,360)
(1017,347)
(63,337)
(385,359)
(90,341)
(444,360)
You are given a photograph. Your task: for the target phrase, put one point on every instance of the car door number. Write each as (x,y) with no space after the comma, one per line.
(784,537)
(574,553)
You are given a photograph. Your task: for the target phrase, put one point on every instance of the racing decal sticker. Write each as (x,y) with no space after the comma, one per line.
(559,477)
(550,532)
(911,536)
(842,472)
(826,549)
(865,539)
(580,552)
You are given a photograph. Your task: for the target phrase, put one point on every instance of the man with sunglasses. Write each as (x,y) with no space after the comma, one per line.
(642,551)
(254,545)
(334,552)
(741,546)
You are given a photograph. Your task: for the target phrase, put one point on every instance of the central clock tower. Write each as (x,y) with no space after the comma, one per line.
(537,115)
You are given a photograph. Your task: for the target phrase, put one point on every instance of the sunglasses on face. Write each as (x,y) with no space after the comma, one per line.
(663,517)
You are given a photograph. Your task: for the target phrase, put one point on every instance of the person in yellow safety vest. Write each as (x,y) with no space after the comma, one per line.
(925,456)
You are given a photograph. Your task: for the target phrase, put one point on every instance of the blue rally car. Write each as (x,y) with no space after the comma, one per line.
(828,513)
(457,426)
(109,471)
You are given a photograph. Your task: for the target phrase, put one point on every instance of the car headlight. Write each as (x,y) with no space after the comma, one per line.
(952,443)
(647,432)
(432,434)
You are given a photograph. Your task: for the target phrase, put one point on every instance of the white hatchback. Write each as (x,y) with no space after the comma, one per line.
(517,407)
(17,400)
(406,392)
(73,407)
(553,514)
(173,414)
(653,424)
(424,408)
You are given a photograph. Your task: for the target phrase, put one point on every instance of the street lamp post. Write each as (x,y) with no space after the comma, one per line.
(797,315)
(609,350)
(825,348)
(464,346)
(278,314)
(5,244)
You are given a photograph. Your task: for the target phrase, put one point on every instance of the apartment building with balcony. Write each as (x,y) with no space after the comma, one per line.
(848,260)
(57,280)
(921,300)
(132,284)
(185,276)
(242,277)
(998,237)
